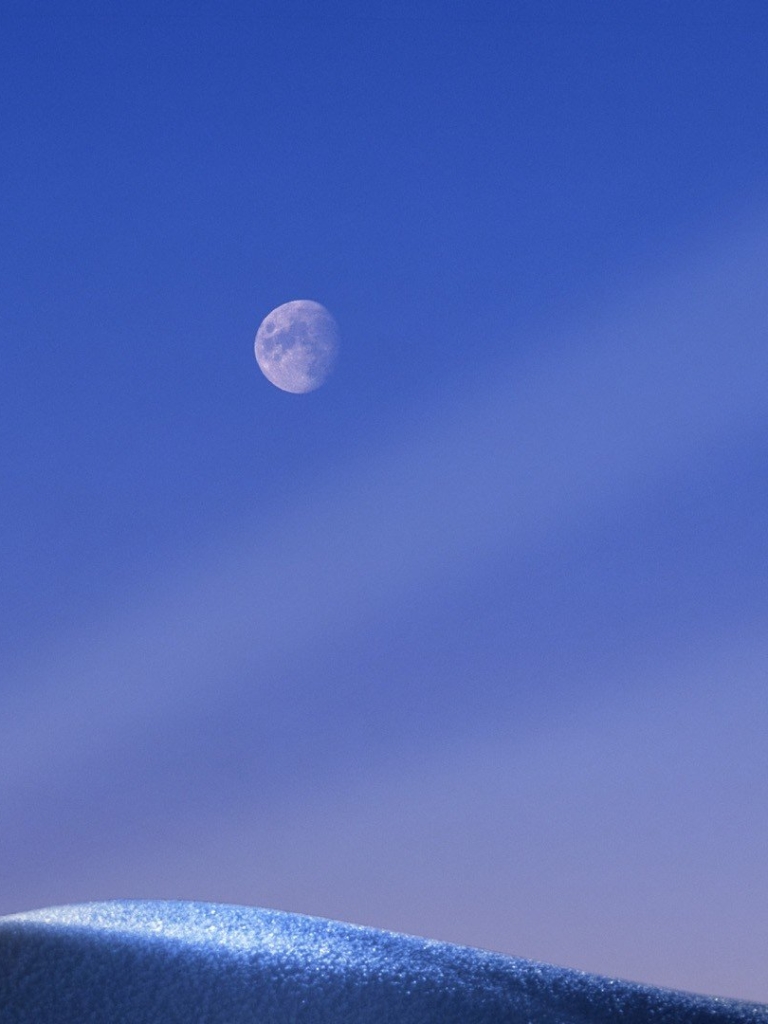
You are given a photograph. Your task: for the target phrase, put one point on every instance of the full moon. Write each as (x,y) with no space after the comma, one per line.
(296,346)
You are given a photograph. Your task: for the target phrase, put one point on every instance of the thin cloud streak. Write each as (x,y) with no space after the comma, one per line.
(612,408)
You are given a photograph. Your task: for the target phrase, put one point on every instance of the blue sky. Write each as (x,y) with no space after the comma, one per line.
(471,641)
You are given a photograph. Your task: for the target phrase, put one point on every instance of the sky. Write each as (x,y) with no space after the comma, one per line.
(472,641)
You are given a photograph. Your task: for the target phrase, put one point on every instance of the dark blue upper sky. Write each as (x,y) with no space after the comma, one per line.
(534,485)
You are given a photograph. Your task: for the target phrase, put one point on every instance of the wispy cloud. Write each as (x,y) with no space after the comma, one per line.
(593,415)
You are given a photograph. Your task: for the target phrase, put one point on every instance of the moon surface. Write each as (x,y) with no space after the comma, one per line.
(296,346)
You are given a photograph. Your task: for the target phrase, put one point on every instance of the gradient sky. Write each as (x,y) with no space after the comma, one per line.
(472,642)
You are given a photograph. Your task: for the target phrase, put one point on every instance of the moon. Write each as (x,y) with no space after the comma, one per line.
(296,346)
